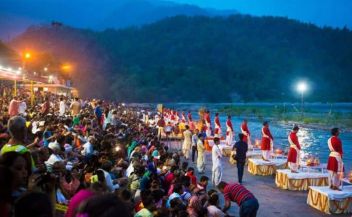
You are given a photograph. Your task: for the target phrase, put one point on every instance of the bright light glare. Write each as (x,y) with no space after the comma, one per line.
(27,55)
(50,78)
(117,148)
(302,87)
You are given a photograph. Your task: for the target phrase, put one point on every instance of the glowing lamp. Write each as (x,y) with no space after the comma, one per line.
(66,67)
(257,143)
(313,161)
(117,148)
(27,55)
(350,176)
(279,151)
(302,87)
(45,89)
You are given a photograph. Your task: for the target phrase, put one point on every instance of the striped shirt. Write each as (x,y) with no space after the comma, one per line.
(237,193)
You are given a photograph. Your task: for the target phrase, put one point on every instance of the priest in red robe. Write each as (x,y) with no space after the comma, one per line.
(267,144)
(207,123)
(293,158)
(217,128)
(183,117)
(246,133)
(335,163)
(229,131)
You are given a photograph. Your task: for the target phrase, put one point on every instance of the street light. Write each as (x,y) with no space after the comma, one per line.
(27,55)
(66,67)
(301,88)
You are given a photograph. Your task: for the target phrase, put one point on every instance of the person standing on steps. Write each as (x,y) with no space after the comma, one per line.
(293,157)
(194,144)
(201,154)
(187,142)
(229,131)
(335,163)
(267,142)
(241,148)
(216,156)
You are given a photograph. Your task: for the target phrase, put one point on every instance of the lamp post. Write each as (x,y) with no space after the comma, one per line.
(301,88)
(26,57)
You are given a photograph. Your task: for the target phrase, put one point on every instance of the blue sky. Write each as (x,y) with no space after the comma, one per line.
(321,12)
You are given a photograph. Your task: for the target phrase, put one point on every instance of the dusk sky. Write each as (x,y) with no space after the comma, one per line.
(337,13)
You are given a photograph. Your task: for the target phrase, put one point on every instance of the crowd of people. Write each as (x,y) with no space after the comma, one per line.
(89,158)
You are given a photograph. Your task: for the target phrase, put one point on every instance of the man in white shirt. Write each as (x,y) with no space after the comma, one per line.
(62,107)
(22,107)
(187,142)
(54,157)
(216,156)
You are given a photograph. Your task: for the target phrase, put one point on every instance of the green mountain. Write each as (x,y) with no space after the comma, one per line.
(196,59)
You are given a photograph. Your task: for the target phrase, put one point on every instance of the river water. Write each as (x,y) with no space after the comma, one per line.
(312,140)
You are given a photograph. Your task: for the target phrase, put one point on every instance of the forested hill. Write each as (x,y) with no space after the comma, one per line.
(195,59)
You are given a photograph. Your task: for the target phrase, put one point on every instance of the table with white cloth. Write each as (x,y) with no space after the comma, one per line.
(254,153)
(285,179)
(265,168)
(330,201)
(321,167)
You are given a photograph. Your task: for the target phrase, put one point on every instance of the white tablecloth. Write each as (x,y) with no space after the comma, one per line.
(254,153)
(303,175)
(332,194)
(276,162)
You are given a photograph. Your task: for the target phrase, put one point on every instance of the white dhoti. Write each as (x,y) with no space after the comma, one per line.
(216,175)
(334,178)
(160,132)
(208,130)
(229,138)
(186,147)
(266,154)
(293,166)
(201,162)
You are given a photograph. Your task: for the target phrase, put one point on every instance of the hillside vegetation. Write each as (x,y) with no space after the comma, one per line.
(204,59)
